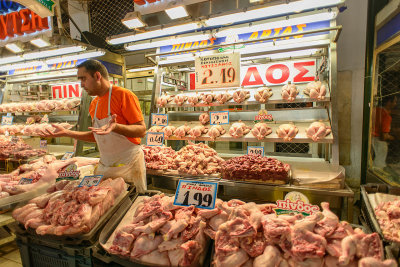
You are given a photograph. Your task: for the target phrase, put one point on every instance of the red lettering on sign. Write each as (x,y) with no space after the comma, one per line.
(143,2)
(73,90)
(55,89)
(303,71)
(284,74)
(252,71)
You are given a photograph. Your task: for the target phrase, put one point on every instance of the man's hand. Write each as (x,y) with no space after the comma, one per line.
(58,132)
(106,129)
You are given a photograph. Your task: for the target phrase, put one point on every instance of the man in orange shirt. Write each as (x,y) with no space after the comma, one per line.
(117,128)
(381,130)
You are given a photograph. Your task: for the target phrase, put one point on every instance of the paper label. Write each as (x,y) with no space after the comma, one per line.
(154,138)
(198,193)
(219,117)
(7,120)
(43,144)
(295,202)
(92,180)
(23,181)
(159,119)
(69,172)
(67,155)
(255,150)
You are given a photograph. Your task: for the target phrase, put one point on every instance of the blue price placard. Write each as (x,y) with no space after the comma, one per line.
(219,117)
(7,120)
(92,180)
(198,193)
(159,119)
(154,138)
(23,181)
(255,150)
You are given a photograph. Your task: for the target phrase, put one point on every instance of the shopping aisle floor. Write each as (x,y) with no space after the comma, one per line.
(9,255)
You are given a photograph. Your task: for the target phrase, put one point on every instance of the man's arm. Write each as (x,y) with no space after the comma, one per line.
(62,132)
(137,129)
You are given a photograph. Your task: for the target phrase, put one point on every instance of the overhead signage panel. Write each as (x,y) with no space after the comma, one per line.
(57,66)
(43,8)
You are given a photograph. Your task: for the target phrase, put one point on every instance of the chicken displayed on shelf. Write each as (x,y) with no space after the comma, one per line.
(197,131)
(182,131)
(70,210)
(160,234)
(33,119)
(317,131)
(168,131)
(261,130)
(156,128)
(239,129)
(163,100)
(159,157)
(216,131)
(36,129)
(289,92)
(43,105)
(208,98)
(204,118)
(180,99)
(388,216)
(240,96)
(222,98)
(255,168)
(11,129)
(247,234)
(263,94)
(193,100)
(315,90)
(16,148)
(287,131)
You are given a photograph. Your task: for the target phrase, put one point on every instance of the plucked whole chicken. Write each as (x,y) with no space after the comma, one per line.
(194,100)
(208,98)
(261,130)
(163,100)
(315,90)
(168,131)
(216,131)
(287,131)
(156,129)
(289,92)
(263,94)
(197,131)
(180,99)
(222,98)
(204,118)
(43,105)
(388,215)
(239,129)
(182,131)
(317,131)
(240,96)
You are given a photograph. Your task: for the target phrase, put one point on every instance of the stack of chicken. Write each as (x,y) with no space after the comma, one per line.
(157,233)
(43,105)
(315,90)
(70,209)
(318,131)
(18,149)
(388,216)
(248,235)
(163,100)
(36,129)
(159,157)
(11,129)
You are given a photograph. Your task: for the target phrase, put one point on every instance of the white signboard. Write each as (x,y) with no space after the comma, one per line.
(219,117)
(92,180)
(217,71)
(66,90)
(255,150)
(197,193)
(7,120)
(159,119)
(154,138)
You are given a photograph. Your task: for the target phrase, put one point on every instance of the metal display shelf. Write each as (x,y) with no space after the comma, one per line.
(24,113)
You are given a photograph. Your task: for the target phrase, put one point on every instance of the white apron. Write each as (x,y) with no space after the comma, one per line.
(118,156)
(381,149)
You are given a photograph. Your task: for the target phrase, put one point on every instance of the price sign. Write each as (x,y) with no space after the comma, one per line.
(219,117)
(25,181)
(255,150)
(154,139)
(159,119)
(216,71)
(67,155)
(7,120)
(7,133)
(92,180)
(8,114)
(43,144)
(198,193)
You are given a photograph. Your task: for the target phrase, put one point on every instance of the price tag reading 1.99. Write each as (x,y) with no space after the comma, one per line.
(219,117)
(159,119)
(255,150)
(154,139)
(197,193)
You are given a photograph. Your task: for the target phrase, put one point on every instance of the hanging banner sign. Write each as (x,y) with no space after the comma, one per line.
(197,193)
(215,71)
(70,90)
(295,202)
(43,8)
(56,66)
(257,37)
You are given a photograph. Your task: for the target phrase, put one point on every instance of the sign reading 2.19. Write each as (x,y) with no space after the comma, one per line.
(227,75)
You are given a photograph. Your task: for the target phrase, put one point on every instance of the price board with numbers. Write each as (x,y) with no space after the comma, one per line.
(255,150)
(43,144)
(92,180)
(159,119)
(14,140)
(7,120)
(219,117)
(217,71)
(198,193)
(154,138)
(67,155)
(23,181)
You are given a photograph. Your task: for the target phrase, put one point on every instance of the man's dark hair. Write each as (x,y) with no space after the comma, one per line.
(92,66)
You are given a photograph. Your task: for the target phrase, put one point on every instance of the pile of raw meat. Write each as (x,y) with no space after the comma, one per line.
(18,150)
(252,235)
(67,209)
(159,157)
(32,129)
(44,105)
(257,168)
(388,216)
(156,232)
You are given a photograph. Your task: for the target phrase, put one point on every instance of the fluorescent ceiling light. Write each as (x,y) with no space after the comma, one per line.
(21,65)
(54,52)
(42,77)
(13,59)
(133,20)
(271,11)
(88,54)
(177,12)
(13,47)
(176,59)
(155,33)
(163,42)
(40,42)
(150,80)
(142,69)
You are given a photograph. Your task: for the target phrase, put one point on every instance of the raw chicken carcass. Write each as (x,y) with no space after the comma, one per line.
(222,98)
(208,98)
(261,130)
(197,131)
(180,99)
(240,96)
(163,100)
(287,132)
(168,131)
(156,129)
(315,90)
(317,131)
(182,131)
(289,92)
(194,99)
(239,129)
(372,262)
(216,131)
(262,95)
(204,118)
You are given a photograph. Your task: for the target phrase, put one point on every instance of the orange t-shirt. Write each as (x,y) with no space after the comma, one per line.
(124,103)
(383,120)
